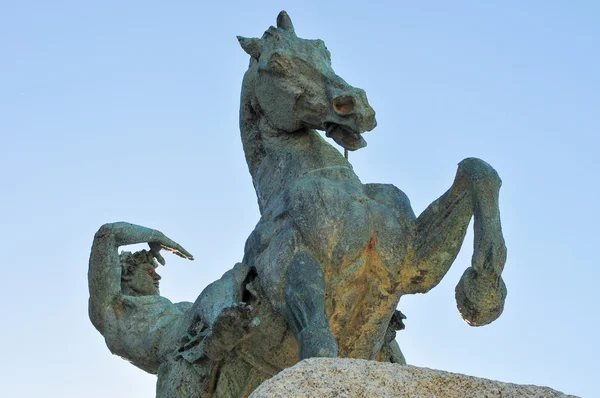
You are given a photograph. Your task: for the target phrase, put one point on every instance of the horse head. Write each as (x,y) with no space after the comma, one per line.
(295,87)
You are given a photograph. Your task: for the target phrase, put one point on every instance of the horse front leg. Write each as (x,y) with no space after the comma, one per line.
(440,231)
(305,308)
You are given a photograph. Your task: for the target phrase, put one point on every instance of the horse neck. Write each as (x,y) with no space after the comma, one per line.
(276,159)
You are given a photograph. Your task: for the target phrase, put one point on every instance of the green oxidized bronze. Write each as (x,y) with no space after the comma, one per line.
(329,259)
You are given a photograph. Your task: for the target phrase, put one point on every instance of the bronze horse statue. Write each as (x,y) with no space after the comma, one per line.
(327,263)
(334,255)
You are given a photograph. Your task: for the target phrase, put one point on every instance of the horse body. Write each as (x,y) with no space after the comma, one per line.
(359,242)
(332,255)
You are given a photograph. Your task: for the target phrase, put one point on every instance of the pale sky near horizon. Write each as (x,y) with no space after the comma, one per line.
(128,111)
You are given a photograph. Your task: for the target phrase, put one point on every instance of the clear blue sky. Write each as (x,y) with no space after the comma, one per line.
(129,111)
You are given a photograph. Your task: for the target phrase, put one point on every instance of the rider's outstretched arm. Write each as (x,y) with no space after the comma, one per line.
(104,273)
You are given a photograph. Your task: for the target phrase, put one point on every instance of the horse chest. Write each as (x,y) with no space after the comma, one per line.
(361,245)
(339,223)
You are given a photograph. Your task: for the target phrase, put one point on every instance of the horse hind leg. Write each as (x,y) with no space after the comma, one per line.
(305,308)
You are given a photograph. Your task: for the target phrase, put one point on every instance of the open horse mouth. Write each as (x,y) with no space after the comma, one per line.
(349,140)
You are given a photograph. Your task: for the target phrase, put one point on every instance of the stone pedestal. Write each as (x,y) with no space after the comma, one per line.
(355,378)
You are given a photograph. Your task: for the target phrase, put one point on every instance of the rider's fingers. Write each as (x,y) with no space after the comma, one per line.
(155,249)
(165,243)
(160,258)
(178,250)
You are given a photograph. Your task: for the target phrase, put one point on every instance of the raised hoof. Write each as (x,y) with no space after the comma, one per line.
(316,342)
(480,299)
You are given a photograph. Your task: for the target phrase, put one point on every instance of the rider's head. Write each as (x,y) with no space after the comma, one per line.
(138,275)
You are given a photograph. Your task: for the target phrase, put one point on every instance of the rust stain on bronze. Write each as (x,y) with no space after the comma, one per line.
(364,301)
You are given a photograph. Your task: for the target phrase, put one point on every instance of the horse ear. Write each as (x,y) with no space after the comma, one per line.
(252,46)
(284,22)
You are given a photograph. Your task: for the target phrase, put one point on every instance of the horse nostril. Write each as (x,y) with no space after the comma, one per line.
(343,104)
